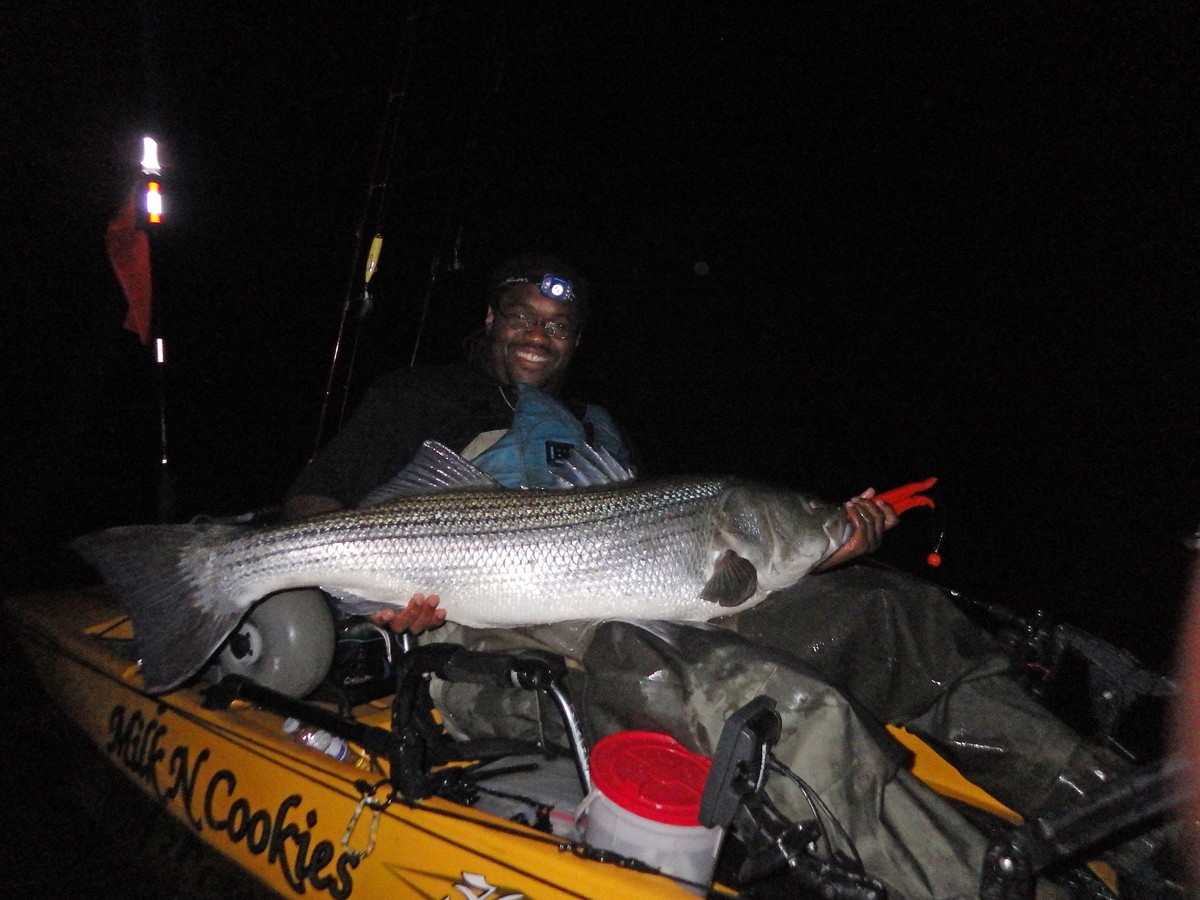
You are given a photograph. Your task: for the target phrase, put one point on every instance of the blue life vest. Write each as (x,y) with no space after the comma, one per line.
(542,436)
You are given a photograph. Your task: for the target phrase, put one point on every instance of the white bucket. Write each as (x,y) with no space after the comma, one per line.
(656,784)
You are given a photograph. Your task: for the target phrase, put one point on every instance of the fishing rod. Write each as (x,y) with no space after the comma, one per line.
(365,255)
(365,262)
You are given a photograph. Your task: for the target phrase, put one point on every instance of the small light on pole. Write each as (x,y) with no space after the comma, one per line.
(152,167)
(154,203)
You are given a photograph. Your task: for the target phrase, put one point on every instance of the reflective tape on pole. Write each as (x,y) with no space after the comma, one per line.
(152,167)
(150,164)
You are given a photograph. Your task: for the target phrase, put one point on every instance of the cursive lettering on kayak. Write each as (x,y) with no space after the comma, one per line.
(186,778)
(285,843)
(212,802)
(135,742)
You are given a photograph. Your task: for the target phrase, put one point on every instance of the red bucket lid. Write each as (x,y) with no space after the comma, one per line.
(651,775)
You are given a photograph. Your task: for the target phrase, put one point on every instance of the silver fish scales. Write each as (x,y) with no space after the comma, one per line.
(680,548)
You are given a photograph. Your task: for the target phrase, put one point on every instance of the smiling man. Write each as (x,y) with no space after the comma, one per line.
(534,327)
(537,308)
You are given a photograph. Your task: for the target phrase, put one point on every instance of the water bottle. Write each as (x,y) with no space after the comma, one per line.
(318,739)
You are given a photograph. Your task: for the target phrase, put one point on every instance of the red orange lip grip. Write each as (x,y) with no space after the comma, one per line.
(905,498)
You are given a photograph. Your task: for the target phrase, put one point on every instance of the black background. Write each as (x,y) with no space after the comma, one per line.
(936,239)
(833,245)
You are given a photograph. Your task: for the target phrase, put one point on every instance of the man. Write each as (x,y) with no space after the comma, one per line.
(534,323)
(529,336)
(530,333)
(686,679)
(537,308)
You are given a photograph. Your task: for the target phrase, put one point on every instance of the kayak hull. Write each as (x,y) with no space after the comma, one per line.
(280,810)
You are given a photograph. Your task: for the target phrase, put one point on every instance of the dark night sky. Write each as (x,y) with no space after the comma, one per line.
(951,239)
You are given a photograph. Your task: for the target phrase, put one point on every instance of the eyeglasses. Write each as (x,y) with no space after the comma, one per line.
(559,331)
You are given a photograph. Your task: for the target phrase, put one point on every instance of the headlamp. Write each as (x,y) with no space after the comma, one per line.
(556,288)
(550,286)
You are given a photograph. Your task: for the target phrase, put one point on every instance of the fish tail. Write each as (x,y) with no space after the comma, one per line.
(180,613)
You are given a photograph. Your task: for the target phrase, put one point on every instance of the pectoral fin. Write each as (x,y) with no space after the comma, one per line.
(734,581)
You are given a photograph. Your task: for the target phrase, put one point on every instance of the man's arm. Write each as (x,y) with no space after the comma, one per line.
(302,506)
(386,429)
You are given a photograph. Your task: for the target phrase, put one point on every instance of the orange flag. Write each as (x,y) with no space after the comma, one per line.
(129,253)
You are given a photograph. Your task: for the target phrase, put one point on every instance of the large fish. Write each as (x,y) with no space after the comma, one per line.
(678,548)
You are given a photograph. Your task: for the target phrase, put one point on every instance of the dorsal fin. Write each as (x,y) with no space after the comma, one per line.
(587,466)
(734,581)
(435,468)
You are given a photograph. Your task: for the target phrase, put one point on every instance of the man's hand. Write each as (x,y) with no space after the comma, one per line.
(869,519)
(421,614)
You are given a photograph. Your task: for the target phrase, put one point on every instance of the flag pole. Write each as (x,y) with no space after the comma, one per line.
(153,217)
(127,242)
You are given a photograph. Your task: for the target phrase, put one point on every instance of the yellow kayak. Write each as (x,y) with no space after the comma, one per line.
(300,820)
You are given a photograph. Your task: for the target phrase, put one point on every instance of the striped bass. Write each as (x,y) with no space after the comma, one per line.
(687,549)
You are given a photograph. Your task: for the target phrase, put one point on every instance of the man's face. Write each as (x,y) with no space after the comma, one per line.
(521,354)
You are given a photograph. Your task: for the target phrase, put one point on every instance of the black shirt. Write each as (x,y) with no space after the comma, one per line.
(449,404)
